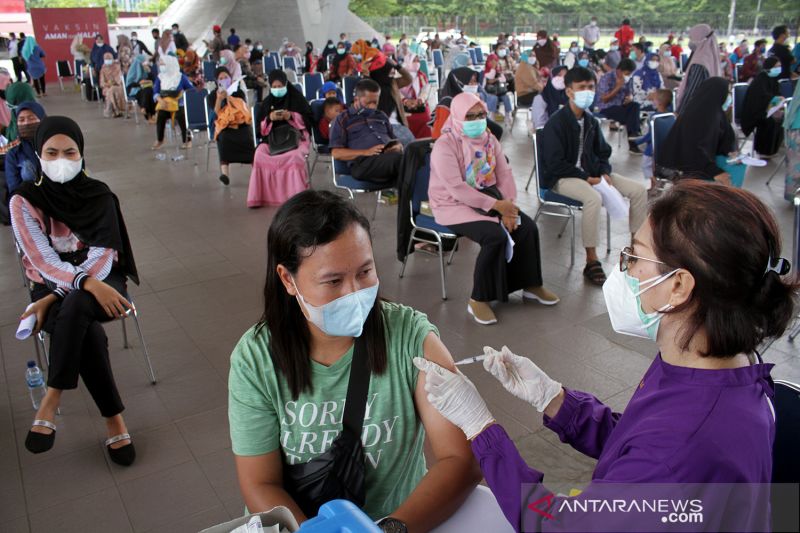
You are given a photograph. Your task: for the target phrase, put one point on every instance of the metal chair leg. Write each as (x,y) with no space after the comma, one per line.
(608,233)
(124,335)
(795,332)
(572,238)
(144,348)
(777,167)
(563,228)
(408,251)
(441,266)
(453,252)
(530,177)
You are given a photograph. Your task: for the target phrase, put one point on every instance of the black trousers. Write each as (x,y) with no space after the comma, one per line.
(161,123)
(39,85)
(79,346)
(19,70)
(494,278)
(381,168)
(625,114)
(526,100)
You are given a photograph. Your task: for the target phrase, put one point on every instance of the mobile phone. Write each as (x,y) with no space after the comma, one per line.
(519,220)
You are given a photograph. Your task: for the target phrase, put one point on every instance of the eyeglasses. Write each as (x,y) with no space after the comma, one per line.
(475,116)
(627,258)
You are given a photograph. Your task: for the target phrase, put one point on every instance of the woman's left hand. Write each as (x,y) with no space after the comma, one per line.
(455,397)
(510,223)
(40,309)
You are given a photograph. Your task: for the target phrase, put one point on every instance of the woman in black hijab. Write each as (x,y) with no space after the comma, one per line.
(701,133)
(77,255)
(285,122)
(757,101)
(329,50)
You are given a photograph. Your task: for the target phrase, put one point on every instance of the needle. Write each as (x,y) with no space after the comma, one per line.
(470,360)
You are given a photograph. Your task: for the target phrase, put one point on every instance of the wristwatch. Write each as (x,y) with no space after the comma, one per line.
(392,525)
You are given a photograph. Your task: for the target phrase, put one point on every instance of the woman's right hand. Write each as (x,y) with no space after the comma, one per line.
(112,302)
(723,178)
(521,377)
(506,208)
(39,308)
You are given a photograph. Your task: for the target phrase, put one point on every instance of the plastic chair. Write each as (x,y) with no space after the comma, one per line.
(424,227)
(784,161)
(787,87)
(276,58)
(194,111)
(270,64)
(318,143)
(344,181)
(64,70)
(550,199)
(42,336)
(339,94)
(479,55)
(209,69)
(785,459)
(209,117)
(473,56)
(95,87)
(438,58)
(684,62)
(130,101)
(349,84)
(659,126)
(289,63)
(312,83)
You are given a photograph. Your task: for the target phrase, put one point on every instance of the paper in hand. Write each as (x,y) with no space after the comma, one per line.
(613,200)
(26,326)
(774,109)
(234,86)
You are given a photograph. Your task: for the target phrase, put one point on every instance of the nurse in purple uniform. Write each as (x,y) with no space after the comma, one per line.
(705,280)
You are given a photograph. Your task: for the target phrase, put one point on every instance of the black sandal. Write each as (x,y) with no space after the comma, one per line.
(593,271)
(40,442)
(124,455)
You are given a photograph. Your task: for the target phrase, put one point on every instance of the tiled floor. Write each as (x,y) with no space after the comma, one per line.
(201,257)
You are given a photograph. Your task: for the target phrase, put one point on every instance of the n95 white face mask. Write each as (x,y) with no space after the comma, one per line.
(622,293)
(61,170)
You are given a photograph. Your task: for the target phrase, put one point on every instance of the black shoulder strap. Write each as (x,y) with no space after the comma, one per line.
(356,403)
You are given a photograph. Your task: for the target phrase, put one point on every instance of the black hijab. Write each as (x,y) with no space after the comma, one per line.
(382,76)
(85,205)
(293,101)
(758,97)
(456,80)
(552,97)
(701,132)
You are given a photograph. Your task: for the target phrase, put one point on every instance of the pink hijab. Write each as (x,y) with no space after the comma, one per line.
(478,157)
(5,81)
(233,66)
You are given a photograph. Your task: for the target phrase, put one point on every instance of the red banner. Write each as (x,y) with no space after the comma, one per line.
(54,29)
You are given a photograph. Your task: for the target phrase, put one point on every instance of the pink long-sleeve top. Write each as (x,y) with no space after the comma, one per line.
(41,240)
(453,200)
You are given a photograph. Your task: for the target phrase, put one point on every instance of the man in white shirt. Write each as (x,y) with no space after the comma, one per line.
(13,54)
(590,35)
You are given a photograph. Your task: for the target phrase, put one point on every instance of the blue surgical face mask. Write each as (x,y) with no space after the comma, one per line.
(583,62)
(632,56)
(474,128)
(340,51)
(584,99)
(222,60)
(774,72)
(727,104)
(613,48)
(278,92)
(343,317)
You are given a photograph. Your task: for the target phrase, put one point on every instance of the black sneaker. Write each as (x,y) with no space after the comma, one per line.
(633,148)
(224,179)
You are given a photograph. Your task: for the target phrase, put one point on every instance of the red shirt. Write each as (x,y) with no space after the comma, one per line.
(325,128)
(676,51)
(625,37)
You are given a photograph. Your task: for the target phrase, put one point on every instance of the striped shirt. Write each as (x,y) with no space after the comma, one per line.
(41,250)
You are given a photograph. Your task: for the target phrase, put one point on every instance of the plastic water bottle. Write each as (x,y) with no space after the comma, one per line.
(36,386)
(161,156)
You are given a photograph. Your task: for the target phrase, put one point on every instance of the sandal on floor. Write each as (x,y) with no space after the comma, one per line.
(122,456)
(593,271)
(40,442)
(427,248)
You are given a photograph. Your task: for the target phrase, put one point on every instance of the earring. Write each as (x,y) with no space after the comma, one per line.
(39,181)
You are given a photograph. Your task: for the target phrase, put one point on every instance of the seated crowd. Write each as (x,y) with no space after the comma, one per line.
(420,429)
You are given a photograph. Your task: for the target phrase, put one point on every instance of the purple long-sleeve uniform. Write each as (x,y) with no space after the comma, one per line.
(682,426)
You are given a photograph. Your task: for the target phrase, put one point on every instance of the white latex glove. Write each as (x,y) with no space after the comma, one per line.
(455,397)
(521,377)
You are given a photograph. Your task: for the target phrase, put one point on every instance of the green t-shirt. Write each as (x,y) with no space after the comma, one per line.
(263,416)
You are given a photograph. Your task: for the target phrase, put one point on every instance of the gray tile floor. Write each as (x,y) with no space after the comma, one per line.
(201,257)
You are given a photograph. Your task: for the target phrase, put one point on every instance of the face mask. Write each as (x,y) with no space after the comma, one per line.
(628,78)
(632,56)
(474,128)
(774,72)
(223,60)
(652,65)
(502,53)
(593,23)
(613,48)
(666,53)
(584,99)
(531,60)
(558,83)
(583,63)
(108,61)
(345,316)
(340,51)
(622,293)
(61,170)
(574,49)
(27,131)
(259,47)
(278,92)
(727,104)
(224,83)
(541,42)
(472,89)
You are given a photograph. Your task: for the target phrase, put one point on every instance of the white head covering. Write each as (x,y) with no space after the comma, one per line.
(170,73)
